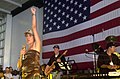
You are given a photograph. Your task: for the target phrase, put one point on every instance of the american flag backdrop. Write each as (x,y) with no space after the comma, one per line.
(75,24)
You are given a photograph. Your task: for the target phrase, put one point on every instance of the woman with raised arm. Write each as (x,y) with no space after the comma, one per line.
(29,61)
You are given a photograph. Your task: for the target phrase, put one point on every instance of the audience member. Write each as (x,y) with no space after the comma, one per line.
(7,73)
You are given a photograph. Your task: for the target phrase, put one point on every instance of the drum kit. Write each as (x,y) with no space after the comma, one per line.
(98,49)
(111,39)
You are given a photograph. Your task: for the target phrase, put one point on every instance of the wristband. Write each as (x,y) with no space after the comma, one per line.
(33,14)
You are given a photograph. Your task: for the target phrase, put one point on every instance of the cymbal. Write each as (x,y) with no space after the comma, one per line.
(97,48)
(111,39)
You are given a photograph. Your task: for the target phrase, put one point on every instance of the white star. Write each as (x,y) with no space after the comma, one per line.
(55,0)
(45,2)
(67,16)
(48,10)
(67,7)
(45,8)
(48,4)
(85,8)
(63,5)
(44,22)
(85,17)
(55,15)
(51,13)
(55,8)
(63,13)
(71,1)
(44,15)
(50,28)
(47,18)
(63,22)
(59,11)
(51,20)
(54,23)
(71,9)
(58,27)
(75,11)
(59,3)
(44,30)
(75,21)
(67,0)
(52,5)
(76,3)
(71,18)
(59,18)
(80,14)
(80,5)
(67,25)
(85,0)
(46,25)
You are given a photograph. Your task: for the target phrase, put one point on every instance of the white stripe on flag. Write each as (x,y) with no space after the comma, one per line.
(101,4)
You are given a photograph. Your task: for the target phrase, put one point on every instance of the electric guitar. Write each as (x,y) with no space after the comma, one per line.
(53,66)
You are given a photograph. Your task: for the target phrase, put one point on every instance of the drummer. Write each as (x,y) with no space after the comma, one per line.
(112,38)
(108,61)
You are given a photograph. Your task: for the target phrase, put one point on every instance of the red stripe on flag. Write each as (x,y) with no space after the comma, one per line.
(93,2)
(104,10)
(72,51)
(77,50)
(93,30)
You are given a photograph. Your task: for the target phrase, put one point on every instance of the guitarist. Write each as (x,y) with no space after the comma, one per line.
(55,58)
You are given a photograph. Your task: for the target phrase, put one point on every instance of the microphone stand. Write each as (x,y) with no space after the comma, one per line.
(94,57)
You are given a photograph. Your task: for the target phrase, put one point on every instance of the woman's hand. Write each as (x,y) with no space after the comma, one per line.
(33,10)
(23,50)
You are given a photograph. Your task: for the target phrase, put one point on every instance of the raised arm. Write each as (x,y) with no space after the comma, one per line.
(34,28)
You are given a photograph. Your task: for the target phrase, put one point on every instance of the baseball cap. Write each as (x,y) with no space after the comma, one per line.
(29,31)
(111,44)
(56,46)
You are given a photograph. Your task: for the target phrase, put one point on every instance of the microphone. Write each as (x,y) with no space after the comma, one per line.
(23,55)
(23,47)
(67,59)
(97,49)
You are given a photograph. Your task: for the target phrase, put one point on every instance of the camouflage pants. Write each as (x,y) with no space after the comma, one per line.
(32,77)
(36,77)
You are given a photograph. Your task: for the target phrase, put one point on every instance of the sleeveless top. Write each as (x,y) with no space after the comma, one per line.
(31,64)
